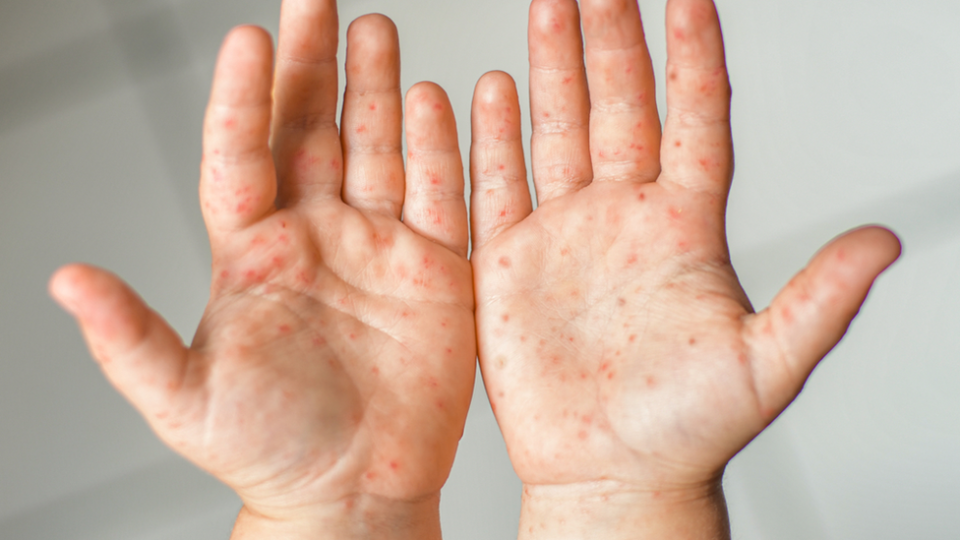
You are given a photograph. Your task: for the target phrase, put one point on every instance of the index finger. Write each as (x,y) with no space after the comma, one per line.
(697,146)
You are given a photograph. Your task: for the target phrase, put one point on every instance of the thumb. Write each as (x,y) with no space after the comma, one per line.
(138,351)
(810,315)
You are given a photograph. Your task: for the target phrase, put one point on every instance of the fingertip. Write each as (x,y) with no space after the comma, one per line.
(493,88)
(63,284)
(866,250)
(373,28)
(553,16)
(246,38)
(428,104)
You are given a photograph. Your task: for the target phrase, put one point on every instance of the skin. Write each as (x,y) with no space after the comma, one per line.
(329,379)
(623,360)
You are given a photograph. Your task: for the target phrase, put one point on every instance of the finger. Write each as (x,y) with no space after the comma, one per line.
(499,195)
(810,315)
(697,151)
(434,205)
(140,354)
(559,104)
(237,180)
(306,142)
(624,122)
(373,118)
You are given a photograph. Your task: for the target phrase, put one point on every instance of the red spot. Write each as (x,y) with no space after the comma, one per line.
(504,262)
(633,337)
(679,34)
(283,329)
(283,225)
(587,419)
(303,278)
(568,80)
(693,341)
(361,128)
(501,167)
(642,197)
(443,324)
(621,302)
(225,274)
(651,381)
(432,382)
(503,213)
(841,254)
(438,106)
(571,340)
(742,359)
(787,314)
(505,317)
(405,314)
(582,435)
(673,75)
(434,179)
(546,115)
(335,164)
(449,350)
(704,163)
(637,147)
(611,374)
(427,262)
(230,123)
(439,403)
(375,370)
(677,143)
(604,366)
(523,339)
(318,341)
(373,106)
(632,259)
(277,261)
(675,212)
(370,475)
(352,336)
(564,251)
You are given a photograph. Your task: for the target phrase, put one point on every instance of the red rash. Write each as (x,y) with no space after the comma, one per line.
(361,128)
(504,262)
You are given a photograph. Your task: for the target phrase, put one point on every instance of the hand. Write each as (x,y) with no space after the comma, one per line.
(621,356)
(330,377)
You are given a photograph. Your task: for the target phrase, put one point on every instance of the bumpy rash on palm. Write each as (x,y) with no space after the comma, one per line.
(329,357)
(610,325)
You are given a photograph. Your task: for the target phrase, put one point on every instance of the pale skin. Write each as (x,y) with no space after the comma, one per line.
(623,360)
(331,374)
(329,379)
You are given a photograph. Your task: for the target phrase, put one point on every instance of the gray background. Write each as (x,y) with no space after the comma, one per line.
(845,112)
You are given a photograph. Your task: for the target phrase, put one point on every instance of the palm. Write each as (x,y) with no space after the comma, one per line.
(615,340)
(618,338)
(335,360)
(350,340)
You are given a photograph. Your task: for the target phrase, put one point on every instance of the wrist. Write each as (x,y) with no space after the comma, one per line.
(613,510)
(355,517)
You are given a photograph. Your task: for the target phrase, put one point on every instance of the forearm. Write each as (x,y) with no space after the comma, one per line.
(358,518)
(606,510)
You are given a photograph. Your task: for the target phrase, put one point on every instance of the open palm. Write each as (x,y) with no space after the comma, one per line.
(335,358)
(615,341)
